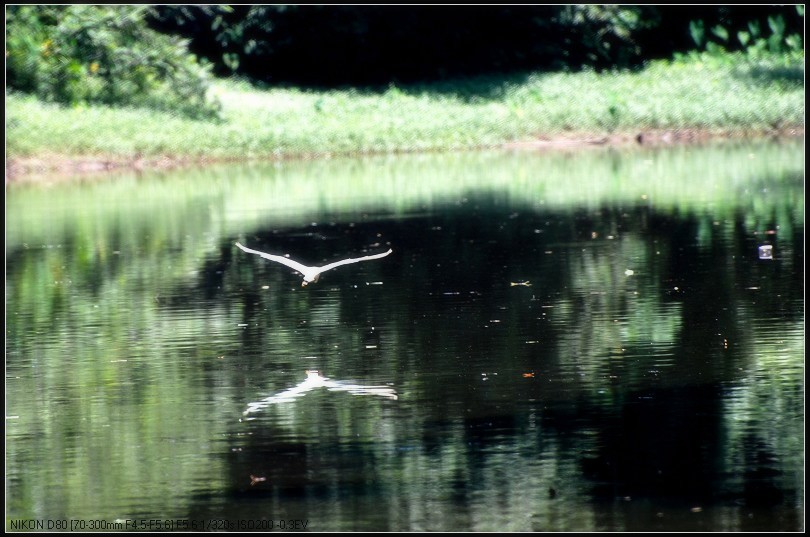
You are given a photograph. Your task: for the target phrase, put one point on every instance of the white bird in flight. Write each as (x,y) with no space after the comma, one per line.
(311,274)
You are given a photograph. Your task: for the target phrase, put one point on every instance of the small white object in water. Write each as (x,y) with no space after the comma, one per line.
(629,272)
(766,251)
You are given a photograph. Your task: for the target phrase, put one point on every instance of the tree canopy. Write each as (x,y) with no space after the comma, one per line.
(162,56)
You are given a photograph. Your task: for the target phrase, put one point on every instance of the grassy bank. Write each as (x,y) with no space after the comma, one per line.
(727,96)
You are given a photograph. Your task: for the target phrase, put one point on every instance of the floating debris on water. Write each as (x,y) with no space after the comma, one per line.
(766,251)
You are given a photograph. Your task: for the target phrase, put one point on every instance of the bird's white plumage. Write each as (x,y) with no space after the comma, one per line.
(310,274)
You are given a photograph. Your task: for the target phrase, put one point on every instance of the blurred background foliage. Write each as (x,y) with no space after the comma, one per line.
(163,55)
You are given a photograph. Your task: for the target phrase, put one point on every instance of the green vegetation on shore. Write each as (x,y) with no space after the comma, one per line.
(722,94)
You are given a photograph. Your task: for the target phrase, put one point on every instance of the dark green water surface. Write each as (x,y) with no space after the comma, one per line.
(581,341)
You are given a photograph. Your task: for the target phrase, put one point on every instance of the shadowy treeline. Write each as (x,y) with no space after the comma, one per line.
(368,45)
(162,56)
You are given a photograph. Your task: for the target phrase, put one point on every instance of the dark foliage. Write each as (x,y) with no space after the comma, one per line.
(369,45)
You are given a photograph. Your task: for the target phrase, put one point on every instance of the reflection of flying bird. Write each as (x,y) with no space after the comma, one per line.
(316,380)
(311,274)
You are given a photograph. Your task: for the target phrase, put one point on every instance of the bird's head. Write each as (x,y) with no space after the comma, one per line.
(309,279)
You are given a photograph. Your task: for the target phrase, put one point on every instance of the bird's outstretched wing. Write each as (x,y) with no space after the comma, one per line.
(354,260)
(295,265)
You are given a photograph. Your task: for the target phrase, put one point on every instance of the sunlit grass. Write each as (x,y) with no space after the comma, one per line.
(725,96)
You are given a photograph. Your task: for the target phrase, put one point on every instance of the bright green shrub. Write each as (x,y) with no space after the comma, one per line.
(78,54)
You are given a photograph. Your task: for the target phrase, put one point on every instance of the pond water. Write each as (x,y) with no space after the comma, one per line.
(567,341)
